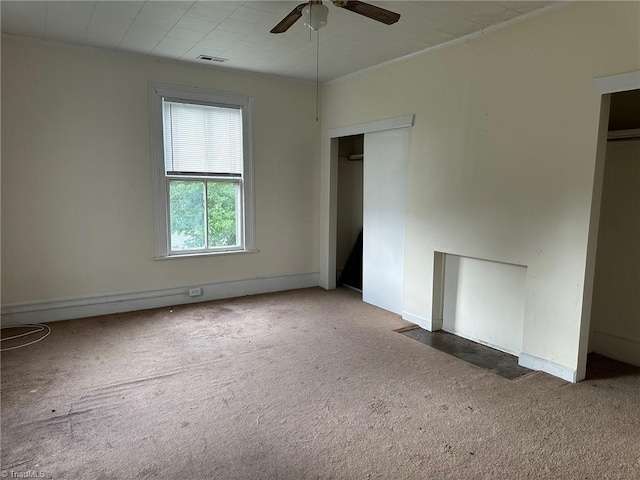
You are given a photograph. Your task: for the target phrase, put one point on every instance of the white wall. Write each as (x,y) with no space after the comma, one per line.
(502,156)
(615,316)
(77,215)
(484,302)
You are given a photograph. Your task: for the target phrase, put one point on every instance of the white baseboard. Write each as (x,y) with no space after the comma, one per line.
(475,339)
(623,349)
(430,325)
(547,366)
(56,310)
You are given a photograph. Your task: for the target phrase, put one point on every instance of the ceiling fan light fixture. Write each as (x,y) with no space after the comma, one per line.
(315,15)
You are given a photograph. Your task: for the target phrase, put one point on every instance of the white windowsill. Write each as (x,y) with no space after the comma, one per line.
(207,254)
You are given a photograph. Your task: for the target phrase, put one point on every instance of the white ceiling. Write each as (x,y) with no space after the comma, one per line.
(239,30)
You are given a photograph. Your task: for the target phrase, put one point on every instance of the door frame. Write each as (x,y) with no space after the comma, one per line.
(604,86)
(330,187)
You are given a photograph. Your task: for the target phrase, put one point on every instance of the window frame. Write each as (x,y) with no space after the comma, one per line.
(202,96)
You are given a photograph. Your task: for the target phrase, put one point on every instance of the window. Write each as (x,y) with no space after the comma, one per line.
(202,171)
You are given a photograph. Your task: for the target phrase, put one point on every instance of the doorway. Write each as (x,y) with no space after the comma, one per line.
(606,87)
(615,309)
(349,212)
(384,170)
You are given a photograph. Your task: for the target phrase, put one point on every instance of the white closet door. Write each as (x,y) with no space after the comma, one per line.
(385,192)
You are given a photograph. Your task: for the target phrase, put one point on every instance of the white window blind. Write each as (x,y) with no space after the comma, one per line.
(202,139)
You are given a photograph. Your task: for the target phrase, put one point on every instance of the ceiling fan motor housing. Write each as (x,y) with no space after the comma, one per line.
(315,15)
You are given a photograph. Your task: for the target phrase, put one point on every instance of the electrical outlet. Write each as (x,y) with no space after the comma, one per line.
(195,292)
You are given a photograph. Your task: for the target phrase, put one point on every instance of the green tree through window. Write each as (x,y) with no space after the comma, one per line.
(203,214)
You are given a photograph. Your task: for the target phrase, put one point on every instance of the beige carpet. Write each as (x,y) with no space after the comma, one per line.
(298,385)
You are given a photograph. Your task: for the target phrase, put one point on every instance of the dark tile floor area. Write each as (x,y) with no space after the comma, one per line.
(488,358)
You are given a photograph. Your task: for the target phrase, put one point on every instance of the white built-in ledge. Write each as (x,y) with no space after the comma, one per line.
(205,254)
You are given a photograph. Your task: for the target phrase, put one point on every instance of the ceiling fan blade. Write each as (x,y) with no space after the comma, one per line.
(376,13)
(289,20)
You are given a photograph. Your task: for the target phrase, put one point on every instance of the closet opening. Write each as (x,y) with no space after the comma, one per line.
(615,309)
(349,235)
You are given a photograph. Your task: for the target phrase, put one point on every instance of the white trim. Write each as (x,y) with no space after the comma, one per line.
(437,292)
(432,326)
(158,91)
(617,83)
(66,309)
(456,41)
(604,86)
(592,236)
(374,126)
(480,341)
(205,254)
(623,134)
(552,368)
(329,185)
(619,348)
(160,207)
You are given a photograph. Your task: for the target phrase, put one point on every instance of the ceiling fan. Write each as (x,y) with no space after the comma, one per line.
(315,14)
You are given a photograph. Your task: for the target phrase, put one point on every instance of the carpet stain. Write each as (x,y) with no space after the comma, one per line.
(379,407)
